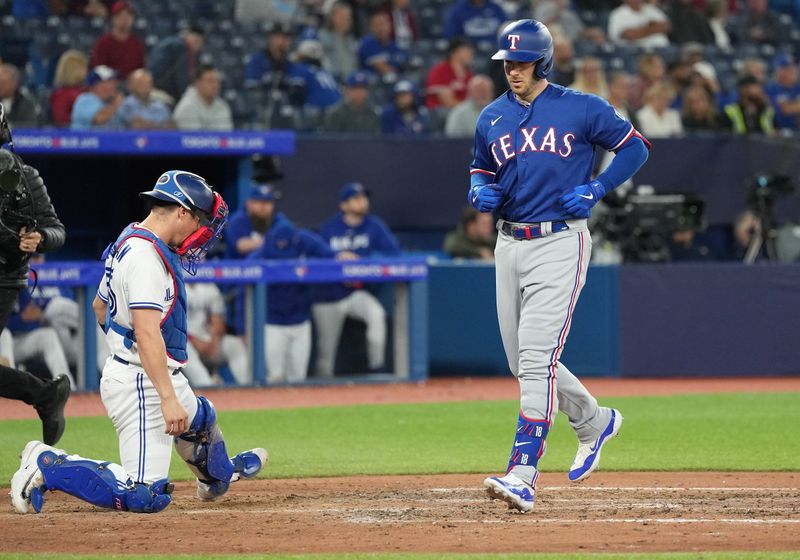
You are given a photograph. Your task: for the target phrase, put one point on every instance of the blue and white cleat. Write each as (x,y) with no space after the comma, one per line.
(512,490)
(588,457)
(27,484)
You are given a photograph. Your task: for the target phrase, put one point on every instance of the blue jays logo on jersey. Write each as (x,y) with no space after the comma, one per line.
(531,139)
(350,242)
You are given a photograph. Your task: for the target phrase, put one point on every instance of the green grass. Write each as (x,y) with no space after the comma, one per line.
(655,556)
(695,432)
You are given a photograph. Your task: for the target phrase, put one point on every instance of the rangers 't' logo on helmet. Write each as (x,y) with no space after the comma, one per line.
(513,39)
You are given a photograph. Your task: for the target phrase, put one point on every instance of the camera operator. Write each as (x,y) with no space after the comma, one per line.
(28,224)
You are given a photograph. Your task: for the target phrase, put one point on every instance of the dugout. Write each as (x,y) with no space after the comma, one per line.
(729,319)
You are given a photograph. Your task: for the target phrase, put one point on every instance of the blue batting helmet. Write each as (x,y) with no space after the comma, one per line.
(187,189)
(526,40)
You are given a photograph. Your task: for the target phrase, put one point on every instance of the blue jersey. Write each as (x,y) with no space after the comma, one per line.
(778,93)
(539,152)
(395,122)
(287,304)
(41,296)
(371,238)
(260,71)
(476,23)
(15,323)
(239,226)
(371,50)
(321,89)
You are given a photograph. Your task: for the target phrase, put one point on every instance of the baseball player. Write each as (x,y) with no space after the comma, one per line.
(61,311)
(209,344)
(247,226)
(142,303)
(287,335)
(352,233)
(534,153)
(32,339)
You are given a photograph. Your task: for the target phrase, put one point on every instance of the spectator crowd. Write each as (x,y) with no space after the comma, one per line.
(368,67)
(390,66)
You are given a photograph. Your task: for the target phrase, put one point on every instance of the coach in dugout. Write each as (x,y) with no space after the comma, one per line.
(352,233)
(28,224)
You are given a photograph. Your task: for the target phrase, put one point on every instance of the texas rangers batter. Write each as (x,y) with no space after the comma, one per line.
(534,154)
(142,303)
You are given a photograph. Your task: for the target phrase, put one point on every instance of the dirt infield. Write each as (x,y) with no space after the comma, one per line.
(622,512)
(612,512)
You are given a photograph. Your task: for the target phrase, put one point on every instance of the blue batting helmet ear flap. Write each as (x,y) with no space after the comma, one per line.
(526,40)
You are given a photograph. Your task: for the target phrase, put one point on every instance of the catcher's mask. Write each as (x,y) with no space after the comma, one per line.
(193,193)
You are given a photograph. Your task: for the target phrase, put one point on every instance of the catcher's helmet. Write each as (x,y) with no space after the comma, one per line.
(187,189)
(193,193)
(526,40)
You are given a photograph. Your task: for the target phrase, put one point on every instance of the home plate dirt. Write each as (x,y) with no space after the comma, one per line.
(610,512)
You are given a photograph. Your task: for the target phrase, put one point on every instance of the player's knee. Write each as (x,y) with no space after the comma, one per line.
(205,417)
(203,446)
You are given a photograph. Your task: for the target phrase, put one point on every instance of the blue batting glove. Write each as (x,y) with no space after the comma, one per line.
(581,200)
(485,198)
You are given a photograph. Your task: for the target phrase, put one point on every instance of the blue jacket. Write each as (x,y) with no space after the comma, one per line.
(287,304)
(239,226)
(475,23)
(40,297)
(371,50)
(371,238)
(320,87)
(395,122)
(30,9)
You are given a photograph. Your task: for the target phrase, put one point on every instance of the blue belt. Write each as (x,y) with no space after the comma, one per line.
(125,362)
(120,360)
(530,231)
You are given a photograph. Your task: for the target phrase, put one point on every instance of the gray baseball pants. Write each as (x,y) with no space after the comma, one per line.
(538,285)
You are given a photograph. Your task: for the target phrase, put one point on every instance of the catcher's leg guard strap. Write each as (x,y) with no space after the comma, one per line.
(96,483)
(203,448)
(529,443)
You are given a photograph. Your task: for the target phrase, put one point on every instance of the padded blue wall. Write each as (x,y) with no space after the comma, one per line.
(722,319)
(464,337)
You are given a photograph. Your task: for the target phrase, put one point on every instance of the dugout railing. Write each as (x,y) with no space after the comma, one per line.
(409,314)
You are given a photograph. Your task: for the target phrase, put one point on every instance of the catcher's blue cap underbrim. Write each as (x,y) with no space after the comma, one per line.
(516,56)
